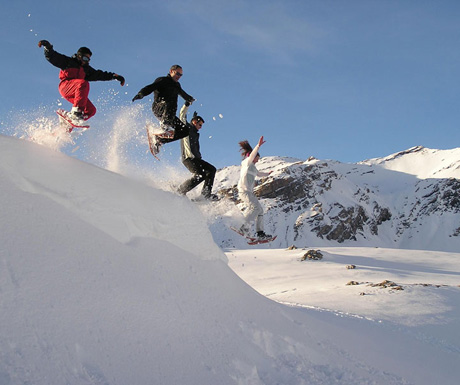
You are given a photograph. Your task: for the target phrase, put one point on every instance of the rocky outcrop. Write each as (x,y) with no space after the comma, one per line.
(298,189)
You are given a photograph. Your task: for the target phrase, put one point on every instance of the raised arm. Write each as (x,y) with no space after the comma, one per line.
(183,113)
(55,58)
(261,141)
(254,152)
(188,98)
(147,90)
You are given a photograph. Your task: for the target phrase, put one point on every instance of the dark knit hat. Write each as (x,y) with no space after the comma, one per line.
(84,51)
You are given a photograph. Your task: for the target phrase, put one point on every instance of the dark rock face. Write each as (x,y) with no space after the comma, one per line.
(297,191)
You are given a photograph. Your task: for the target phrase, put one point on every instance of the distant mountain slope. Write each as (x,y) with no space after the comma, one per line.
(422,162)
(406,200)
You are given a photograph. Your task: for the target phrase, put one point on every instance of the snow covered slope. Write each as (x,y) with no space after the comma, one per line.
(422,162)
(104,280)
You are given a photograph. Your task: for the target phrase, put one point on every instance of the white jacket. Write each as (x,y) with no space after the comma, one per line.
(249,172)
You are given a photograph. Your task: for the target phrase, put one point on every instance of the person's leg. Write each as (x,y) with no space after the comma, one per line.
(89,111)
(259,212)
(254,210)
(208,173)
(194,167)
(76,91)
(180,131)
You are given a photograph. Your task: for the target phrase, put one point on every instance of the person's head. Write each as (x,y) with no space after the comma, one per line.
(176,72)
(84,55)
(246,149)
(197,121)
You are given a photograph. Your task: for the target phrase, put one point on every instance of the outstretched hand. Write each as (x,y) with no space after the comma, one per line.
(139,96)
(45,43)
(120,78)
(189,102)
(261,141)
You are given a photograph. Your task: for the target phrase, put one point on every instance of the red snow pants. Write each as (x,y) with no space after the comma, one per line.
(76,92)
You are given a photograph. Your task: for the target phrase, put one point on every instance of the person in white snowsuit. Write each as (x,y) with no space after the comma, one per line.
(248,174)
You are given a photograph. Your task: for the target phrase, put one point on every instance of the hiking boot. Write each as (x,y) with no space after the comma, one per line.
(261,236)
(77,117)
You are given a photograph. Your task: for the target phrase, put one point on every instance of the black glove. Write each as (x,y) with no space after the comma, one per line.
(187,103)
(45,43)
(138,97)
(120,78)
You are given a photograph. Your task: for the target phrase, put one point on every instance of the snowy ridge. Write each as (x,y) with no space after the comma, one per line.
(422,162)
(112,207)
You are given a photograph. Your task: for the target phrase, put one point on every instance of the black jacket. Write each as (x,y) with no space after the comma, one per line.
(166,90)
(71,67)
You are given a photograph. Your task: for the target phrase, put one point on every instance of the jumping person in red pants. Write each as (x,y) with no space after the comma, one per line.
(75,75)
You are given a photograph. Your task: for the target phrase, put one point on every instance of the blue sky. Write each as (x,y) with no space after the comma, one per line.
(342,80)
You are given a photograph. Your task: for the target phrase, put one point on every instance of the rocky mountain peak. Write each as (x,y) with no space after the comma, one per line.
(331,203)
